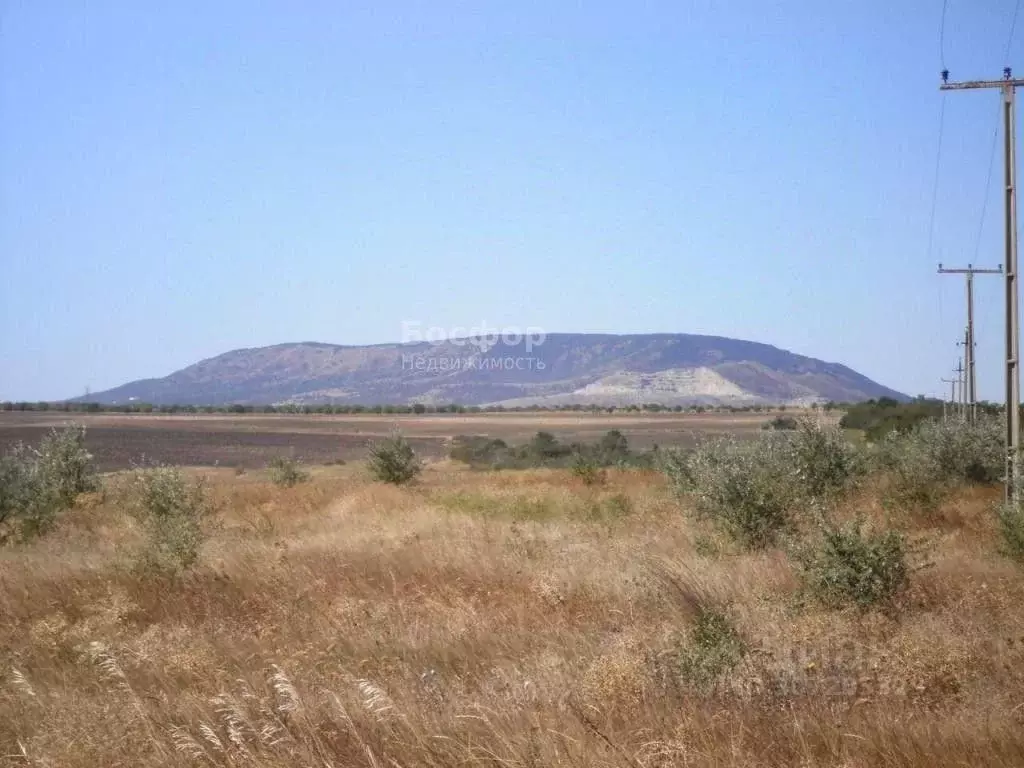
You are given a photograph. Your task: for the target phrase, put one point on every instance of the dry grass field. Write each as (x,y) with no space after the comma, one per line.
(117,440)
(505,619)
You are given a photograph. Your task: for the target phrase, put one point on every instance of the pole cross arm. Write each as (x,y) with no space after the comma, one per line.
(969,270)
(971,84)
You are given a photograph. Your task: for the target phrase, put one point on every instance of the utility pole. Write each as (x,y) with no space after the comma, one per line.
(952,398)
(965,375)
(969,343)
(959,370)
(961,373)
(1007,87)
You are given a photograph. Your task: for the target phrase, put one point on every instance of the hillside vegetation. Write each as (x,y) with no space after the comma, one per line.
(790,600)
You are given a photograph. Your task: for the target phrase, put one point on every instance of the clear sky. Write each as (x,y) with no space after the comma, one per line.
(181,179)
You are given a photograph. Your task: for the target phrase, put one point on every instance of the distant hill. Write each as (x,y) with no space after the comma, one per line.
(565,368)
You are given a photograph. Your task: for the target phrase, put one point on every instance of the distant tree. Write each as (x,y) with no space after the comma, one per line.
(393,460)
(613,446)
(544,445)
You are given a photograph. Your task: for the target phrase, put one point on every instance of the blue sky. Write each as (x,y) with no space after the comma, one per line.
(179,181)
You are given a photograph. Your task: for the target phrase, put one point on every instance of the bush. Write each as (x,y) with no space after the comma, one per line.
(544,446)
(677,464)
(751,488)
(936,456)
(29,506)
(544,450)
(1011,528)
(781,423)
(65,465)
(854,567)
(878,418)
(171,509)
(15,486)
(478,450)
(748,489)
(613,448)
(393,460)
(36,485)
(586,469)
(714,647)
(286,472)
(826,462)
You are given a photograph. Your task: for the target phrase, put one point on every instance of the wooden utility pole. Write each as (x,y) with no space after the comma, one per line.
(969,343)
(1008,87)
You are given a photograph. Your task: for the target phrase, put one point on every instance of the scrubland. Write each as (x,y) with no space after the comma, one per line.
(528,617)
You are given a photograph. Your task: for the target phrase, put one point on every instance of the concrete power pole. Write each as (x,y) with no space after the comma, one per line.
(952,398)
(1008,87)
(959,406)
(969,342)
(961,372)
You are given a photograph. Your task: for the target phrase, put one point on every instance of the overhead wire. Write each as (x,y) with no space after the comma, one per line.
(942,35)
(1013,28)
(995,136)
(938,167)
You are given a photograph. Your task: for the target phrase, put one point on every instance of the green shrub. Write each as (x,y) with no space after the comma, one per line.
(172,510)
(878,418)
(29,505)
(15,486)
(478,450)
(65,465)
(677,464)
(713,648)
(935,457)
(286,472)
(826,463)
(37,484)
(545,450)
(544,446)
(854,567)
(748,489)
(781,423)
(752,488)
(1011,529)
(613,448)
(393,460)
(587,469)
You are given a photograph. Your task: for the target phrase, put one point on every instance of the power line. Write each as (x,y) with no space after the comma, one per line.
(935,199)
(1013,27)
(988,180)
(995,131)
(942,36)
(938,162)
(935,179)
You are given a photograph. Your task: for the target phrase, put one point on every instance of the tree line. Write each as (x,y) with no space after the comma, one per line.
(415,408)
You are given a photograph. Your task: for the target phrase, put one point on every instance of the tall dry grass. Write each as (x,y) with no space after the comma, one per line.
(343,623)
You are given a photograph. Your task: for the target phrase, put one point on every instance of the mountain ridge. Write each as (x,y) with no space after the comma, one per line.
(559,368)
